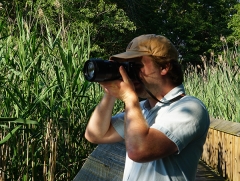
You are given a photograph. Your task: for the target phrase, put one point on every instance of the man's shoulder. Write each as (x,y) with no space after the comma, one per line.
(188,100)
(189,105)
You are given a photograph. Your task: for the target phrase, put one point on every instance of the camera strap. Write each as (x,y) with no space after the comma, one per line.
(168,102)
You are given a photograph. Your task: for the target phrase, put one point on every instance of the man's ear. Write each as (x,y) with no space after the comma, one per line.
(165,69)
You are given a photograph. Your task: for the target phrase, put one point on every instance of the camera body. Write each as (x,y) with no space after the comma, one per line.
(98,70)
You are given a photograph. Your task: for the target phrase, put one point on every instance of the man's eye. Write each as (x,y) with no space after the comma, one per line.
(139,65)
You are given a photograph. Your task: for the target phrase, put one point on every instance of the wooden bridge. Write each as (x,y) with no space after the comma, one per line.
(221,150)
(205,173)
(92,167)
(220,159)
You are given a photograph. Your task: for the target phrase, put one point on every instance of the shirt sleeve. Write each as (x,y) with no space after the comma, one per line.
(118,123)
(185,121)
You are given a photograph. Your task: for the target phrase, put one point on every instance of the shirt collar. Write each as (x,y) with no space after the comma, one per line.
(176,91)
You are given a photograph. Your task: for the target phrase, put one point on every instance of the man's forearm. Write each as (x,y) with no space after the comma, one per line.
(99,122)
(136,127)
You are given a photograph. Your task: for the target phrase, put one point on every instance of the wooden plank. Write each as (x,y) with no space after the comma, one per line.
(205,173)
(222,155)
(224,147)
(236,161)
(226,126)
(207,148)
(107,161)
(221,149)
(237,147)
(229,148)
(215,151)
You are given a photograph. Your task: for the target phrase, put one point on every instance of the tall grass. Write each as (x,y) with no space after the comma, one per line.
(45,101)
(217,84)
(45,104)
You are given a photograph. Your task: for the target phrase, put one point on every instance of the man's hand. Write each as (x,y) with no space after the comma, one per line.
(121,89)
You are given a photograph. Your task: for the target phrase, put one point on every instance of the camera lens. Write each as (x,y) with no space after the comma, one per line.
(97,70)
(90,70)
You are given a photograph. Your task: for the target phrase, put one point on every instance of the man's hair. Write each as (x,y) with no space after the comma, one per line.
(175,72)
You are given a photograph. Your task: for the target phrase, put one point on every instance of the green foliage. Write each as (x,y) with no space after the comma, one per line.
(43,46)
(107,23)
(42,82)
(12,132)
(195,27)
(234,24)
(217,84)
(42,51)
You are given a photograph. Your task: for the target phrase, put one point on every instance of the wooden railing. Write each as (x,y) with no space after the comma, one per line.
(222,149)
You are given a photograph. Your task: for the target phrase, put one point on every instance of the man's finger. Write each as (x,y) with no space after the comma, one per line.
(123,74)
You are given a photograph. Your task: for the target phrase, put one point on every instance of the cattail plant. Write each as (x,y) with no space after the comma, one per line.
(217,83)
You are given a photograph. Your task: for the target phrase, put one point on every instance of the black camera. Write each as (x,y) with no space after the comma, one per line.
(98,70)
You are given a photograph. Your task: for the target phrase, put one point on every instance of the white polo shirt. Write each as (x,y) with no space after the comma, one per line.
(186,123)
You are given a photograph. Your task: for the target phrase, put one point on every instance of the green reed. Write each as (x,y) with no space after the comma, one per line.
(45,104)
(217,84)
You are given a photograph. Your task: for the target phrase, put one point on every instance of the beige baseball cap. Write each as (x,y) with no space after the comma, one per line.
(148,44)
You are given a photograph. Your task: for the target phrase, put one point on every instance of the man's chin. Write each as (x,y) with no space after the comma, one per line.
(141,93)
(141,98)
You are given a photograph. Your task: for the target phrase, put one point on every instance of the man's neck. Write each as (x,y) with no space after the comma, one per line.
(153,102)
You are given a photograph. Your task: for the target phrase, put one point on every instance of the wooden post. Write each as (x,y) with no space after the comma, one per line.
(222,149)
(236,166)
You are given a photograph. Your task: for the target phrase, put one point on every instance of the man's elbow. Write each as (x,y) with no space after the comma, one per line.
(136,155)
(90,137)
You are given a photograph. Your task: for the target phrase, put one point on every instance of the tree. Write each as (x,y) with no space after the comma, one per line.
(106,23)
(234,24)
(195,27)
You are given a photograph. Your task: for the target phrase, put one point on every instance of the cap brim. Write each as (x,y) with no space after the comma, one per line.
(128,55)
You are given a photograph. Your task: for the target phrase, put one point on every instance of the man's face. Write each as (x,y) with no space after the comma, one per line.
(149,75)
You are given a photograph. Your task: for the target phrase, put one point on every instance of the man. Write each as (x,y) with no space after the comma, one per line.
(165,133)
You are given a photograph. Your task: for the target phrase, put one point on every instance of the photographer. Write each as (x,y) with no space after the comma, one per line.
(164,134)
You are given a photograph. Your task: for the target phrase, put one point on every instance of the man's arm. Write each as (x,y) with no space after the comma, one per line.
(99,129)
(143,143)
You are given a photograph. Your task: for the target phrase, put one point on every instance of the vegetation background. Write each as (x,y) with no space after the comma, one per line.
(45,101)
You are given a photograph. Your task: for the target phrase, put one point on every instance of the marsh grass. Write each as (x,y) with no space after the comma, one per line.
(217,84)
(45,104)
